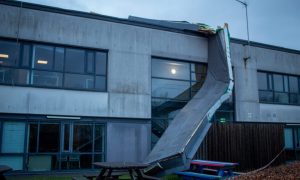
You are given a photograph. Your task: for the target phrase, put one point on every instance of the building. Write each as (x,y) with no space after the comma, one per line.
(82,87)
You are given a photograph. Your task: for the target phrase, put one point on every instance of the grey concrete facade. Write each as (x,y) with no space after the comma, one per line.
(247,105)
(128,95)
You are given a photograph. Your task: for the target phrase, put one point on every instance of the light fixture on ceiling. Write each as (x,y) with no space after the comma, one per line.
(173,71)
(42,61)
(6,56)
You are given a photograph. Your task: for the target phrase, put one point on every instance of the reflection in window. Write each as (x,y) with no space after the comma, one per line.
(167,109)
(278,82)
(100,83)
(78,81)
(26,50)
(285,91)
(90,62)
(70,149)
(74,60)
(170,69)
(45,78)
(59,59)
(42,65)
(170,89)
(266,96)
(262,81)
(293,82)
(173,85)
(14,76)
(82,138)
(101,59)
(99,135)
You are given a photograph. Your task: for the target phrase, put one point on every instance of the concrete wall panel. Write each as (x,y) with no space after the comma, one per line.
(129,105)
(52,102)
(277,61)
(179,46)
(129,73)
(279,113)
(128,142)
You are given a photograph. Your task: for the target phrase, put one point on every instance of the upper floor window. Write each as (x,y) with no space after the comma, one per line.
(43,65)
(278,88)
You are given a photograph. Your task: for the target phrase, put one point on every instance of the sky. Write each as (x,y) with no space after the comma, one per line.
(275,22)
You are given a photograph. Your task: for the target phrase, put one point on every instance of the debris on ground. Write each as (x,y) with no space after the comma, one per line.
(286,171)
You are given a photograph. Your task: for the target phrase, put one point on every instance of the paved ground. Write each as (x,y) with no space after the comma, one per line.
(286,172)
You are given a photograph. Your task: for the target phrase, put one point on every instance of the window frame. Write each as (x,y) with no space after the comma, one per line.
(30,68)
(286,87)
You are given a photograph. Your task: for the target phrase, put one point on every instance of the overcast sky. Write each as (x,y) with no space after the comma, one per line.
(275,22)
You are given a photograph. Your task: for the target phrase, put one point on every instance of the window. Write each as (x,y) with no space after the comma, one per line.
(43,57)
(42,65)
(9,53)
(13,136)
(75,60)
(174,83)
(278,88)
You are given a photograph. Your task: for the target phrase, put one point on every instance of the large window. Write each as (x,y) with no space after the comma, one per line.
(278,88)
(42,65)
(51,145)
(174,83)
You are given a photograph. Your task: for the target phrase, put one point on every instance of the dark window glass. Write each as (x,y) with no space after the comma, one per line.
(78,81)
(99,144)
(90,62)
(278,82)
(45,78)
(98,158)
(33,134)
(82,138)
(198,77)
(26,50)
(66,137)
(101,63)
(9,53)
(281,98)
(270,80)
(14,76)
(74,60)
(166,108)
(294,98)
(51,66)
(49,138)
(293,81)
(170,69)
(170,89)
(100,83)
(85,161)
(262,81)
(43,57)
(266,96)
(286,83)
(158,126)
(59,59)
(198,68)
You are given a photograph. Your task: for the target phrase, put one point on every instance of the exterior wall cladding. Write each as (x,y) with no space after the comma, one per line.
(126,106)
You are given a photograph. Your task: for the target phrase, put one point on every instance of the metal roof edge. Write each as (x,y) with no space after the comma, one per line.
(265,46)
(96,16)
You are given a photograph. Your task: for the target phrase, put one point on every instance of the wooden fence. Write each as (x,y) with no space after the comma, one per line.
(252,145)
